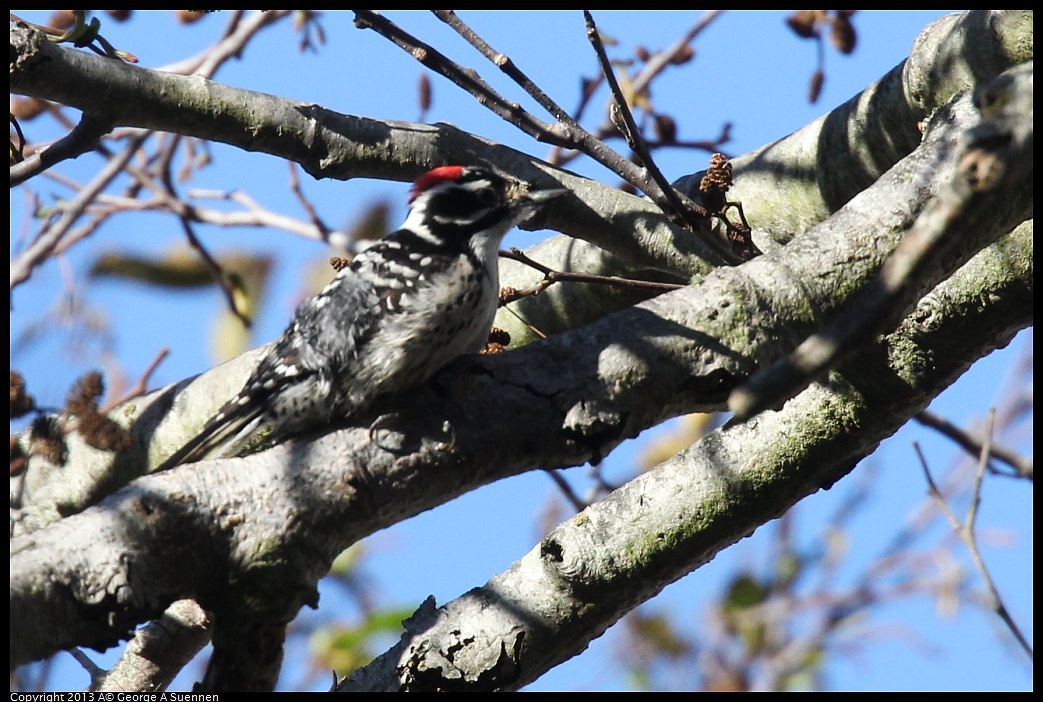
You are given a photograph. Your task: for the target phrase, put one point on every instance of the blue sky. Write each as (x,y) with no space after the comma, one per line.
(749,70)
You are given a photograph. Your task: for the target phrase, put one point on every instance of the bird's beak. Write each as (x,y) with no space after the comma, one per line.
(539,197)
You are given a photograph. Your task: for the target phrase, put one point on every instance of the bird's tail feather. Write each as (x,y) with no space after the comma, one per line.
(224,435)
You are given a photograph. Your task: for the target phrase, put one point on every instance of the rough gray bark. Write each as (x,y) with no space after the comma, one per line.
(249,538)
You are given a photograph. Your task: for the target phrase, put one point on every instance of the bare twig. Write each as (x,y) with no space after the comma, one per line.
(59,235)
(504,63)
(566,132)
(185,219)
(966,533)
(557,156)
(653,67)
(468,79)
(521,319)
(224,282)
(552,276)
(51,237)
(970,444)
(693,216)
(238,31)
(141,387)
(80,140)
(674,203)
(658,63)
(575,500)
(313,215)
(256,215)
(88,665)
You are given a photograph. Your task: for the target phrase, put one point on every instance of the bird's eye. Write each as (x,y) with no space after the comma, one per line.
(486,196)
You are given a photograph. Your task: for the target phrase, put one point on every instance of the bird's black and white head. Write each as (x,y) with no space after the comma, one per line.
(469,208)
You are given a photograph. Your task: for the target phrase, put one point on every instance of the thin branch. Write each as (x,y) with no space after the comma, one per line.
(59,235)
(588,88)
(141,387)
(88,665)
(966,533)
(575,500)
(653,67)
(970,444)
(83,138)
(224,282)
(566,132)
(309,209)
(505,64)
(521,319)
(235,37)
(50,238)
(256,215)
(552,276)
(183,212)
(688,212)
(659,62)
(168,197)
(466,78)
(668,198)
(159,650)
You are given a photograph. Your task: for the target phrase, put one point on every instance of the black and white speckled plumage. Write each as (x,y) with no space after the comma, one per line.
(403,309)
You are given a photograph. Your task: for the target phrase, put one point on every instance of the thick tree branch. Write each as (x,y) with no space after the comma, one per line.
(333,145)
(730,323)
(995,160)
(790,185)
(270,524)
(250,537)
(779,196)
(798,181)
(159,651)
(567,131)
(619,552)
(310,496)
